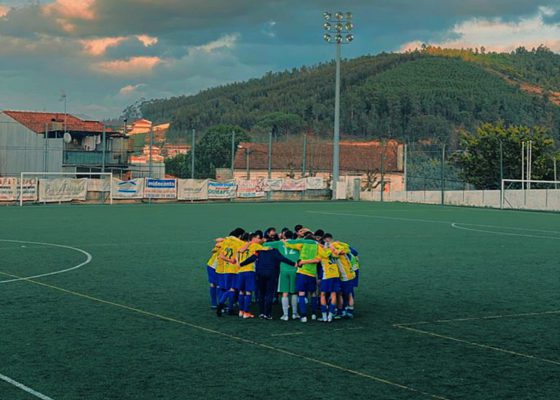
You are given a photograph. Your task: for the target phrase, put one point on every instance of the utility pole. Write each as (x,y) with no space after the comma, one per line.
(443,175)
(269,193)
(151,147)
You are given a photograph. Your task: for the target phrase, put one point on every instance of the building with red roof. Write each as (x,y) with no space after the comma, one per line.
(56,142)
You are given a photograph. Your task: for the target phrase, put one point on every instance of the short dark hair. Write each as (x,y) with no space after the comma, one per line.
(319,233)
(308,235)
(297,228)
(289,234)
(259,233)
(255,234)
(267,231)
(245,237)
(327,236)
(284,230)
(237,232)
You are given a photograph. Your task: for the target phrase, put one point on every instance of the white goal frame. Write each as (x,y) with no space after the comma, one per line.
(523,181)
(72,174)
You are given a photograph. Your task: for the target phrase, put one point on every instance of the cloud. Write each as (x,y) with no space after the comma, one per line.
(225,42)
(4,10)
(130,90)
(131,66)
(498,35)
(98,47)
(71,9)
(147,40)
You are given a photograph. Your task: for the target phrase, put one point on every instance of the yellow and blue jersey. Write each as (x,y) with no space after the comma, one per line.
(248,252)
(340,255)
(213,260)
(229,249)
(329,266)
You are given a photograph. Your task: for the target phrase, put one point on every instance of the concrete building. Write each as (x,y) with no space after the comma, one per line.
(57,142)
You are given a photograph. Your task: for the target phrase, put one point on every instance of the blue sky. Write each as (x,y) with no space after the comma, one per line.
(106,54)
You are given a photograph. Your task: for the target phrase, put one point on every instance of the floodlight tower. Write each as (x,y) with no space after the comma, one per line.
(338,30)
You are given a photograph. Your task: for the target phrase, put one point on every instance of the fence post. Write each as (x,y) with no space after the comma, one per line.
(382,170)
(443,175)
(233,155)
(104,149)
(269,193)
(193,153)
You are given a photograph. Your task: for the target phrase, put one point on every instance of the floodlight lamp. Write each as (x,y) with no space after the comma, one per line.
(327,15)
(339,27)
(327,26)
(349,38)
(348,15)
(338,38)
(327,37)
(349,26)
(339,15)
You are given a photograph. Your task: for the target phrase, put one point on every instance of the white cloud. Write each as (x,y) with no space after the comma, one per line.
(98,47)
(129,90)
(225,42)
(131,66)
(268,30)
(147,40)
(501,36)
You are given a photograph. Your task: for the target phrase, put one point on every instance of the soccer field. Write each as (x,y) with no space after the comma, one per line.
(453,303)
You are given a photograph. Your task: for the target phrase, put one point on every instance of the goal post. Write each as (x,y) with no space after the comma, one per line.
(530,194)
(26,176)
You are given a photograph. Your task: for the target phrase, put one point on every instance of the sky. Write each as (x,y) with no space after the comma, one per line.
(107,54)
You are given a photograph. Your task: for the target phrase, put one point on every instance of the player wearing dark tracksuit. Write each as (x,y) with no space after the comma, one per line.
(267,268)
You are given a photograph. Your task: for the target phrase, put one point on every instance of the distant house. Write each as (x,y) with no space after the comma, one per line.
(365,160)
(57,142)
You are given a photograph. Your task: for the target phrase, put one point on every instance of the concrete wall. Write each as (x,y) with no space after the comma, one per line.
(537,199)
(22,150)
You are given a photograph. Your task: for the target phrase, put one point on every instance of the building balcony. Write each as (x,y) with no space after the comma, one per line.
(94,158)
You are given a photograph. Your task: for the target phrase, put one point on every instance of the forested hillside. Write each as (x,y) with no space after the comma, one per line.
(428,94)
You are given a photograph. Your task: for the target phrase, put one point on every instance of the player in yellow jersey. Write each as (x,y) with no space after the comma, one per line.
(246,277)
(212,276)
(330,285)
(341,252)
(228,255)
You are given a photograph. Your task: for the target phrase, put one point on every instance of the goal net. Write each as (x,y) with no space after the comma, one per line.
(65,187)
(525,194)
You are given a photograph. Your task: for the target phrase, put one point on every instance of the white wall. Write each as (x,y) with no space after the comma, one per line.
(536,199)
(22,150)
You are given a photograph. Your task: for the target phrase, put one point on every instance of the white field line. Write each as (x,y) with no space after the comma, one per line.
(458,226)
(87,260)
(24,388)
(240,339)
(488,317)
(380,217)
(475,344)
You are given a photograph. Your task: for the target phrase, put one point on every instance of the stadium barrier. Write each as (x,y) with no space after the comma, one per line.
(86,190)
(529,199)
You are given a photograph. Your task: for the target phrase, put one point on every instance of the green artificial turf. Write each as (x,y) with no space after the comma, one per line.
(135,322)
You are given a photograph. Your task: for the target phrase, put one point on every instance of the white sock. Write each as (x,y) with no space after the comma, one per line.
(294,304)
(324,316)
(285,305)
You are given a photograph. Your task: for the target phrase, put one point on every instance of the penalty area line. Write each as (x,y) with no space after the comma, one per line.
(233,337)
(24,388)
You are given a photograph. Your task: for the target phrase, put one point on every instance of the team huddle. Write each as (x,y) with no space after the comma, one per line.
(305,268)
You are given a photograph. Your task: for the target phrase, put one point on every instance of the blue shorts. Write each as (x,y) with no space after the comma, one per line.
(347,287)
(226,281)
(331,285)
(306,283)
(246,281)
(356,280)
(212,275)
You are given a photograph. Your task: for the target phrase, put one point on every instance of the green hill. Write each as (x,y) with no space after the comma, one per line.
(429,94)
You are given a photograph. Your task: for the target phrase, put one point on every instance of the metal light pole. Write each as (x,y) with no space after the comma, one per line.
(338,30)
